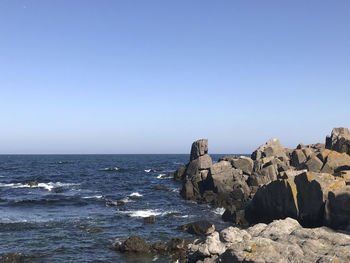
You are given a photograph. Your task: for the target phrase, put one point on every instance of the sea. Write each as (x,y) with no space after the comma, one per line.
(71,214)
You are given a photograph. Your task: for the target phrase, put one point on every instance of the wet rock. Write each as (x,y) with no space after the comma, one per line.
(33,183)
(202,227)
(11,258)
(134,244)
(95,230)
(149,219)
(115,203)
(160,188)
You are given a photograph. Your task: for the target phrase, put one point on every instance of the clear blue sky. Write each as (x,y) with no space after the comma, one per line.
(108,76)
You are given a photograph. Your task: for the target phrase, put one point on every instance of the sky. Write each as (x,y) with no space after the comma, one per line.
(136,76)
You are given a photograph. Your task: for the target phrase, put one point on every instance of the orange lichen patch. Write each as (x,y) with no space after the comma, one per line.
(324,154)
(294,190)
(335,261)
(309,177)
(336,185)
(252,251)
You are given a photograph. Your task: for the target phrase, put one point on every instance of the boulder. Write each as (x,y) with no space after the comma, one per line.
(280,241)
(201,227)
(313,164)
(134,244)
(297,158)
(339,140)
(199,148)
(273,148)
(334,161)
(243,163)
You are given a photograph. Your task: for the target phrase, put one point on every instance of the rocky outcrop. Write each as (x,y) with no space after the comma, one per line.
(313,199)
(339,140)
(280,241)
(277,180)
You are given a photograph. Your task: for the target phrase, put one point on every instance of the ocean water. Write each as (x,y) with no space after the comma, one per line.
(50,222)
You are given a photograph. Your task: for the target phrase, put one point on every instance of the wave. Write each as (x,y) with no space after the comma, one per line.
(110,169)
(48,186)
(143,213)
(219,211)
(94,197)
(164,176)
(63,162)
(136,194)
(127,200)
(153,170)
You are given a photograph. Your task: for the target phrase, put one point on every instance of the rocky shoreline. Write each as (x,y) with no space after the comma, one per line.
(287,205)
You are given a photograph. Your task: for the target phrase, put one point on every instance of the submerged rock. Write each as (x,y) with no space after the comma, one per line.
(11,258)
(149,219)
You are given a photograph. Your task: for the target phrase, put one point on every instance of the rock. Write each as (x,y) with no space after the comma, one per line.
(334,161)
(33,183)
(202,227)
(160,188)
(313,199)
(273,148)
(115,203)
(134,244)
(280,241)
(179,174)
(313,164)
(95,230)
(297,158)
(243,163)
(204,162)
(199,148)
(339,140)
(11,258)
(149,219)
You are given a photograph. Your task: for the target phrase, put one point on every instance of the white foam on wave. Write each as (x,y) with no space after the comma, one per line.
(147,170)
(110,169)
(219,211)
(127,200)
(175,190)
(48,186)
(93,197)
(144,213)
(163,176)
(136,194)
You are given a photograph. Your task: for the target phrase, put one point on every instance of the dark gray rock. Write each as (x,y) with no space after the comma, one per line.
(202,227)
(134,244)
(149,219)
